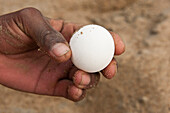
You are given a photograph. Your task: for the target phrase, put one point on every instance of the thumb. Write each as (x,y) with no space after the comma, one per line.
(39,29)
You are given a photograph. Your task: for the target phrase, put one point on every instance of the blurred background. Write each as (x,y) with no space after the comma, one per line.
(142,84)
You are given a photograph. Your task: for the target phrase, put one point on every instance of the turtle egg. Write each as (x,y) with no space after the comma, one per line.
(92,48)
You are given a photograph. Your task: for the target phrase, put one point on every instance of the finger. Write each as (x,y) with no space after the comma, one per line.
(67,29)
(56,24)
(119,45)
(66,88)
(83,79)
(110,71)
(48,39)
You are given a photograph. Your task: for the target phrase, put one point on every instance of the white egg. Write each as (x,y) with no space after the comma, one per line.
(92,48)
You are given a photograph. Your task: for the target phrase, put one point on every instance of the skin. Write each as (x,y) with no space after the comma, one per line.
(35,56)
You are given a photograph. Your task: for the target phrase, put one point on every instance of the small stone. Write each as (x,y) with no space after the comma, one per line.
(142,100)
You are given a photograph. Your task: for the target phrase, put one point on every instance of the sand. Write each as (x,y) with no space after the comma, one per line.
(142,84)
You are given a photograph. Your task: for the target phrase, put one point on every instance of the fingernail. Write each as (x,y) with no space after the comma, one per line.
(116,65)
(60,49)
(75,92)
(78,93)
(81,78)
(85,79)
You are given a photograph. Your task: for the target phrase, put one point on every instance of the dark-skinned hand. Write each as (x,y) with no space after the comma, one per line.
(35,56)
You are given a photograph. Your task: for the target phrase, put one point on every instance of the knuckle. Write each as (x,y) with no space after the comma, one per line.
(29,11)
(47,40)
(70,24)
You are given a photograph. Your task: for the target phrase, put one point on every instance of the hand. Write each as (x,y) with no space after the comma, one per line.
(35,56)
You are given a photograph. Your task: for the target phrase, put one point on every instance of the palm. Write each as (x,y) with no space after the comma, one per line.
(34,71)
(29,69)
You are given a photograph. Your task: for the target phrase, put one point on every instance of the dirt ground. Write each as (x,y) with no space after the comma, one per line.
(142,84)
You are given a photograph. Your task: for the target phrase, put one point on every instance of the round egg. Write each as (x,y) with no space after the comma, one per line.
(92,48)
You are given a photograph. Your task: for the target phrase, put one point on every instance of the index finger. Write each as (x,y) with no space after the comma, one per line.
(66,29)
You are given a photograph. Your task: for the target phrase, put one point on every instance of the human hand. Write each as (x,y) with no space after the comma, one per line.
(35,56)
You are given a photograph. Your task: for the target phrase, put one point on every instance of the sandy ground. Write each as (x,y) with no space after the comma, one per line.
(142,84)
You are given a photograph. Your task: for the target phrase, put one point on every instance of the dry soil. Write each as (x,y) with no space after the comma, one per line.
(142,84)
